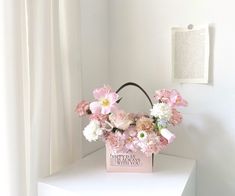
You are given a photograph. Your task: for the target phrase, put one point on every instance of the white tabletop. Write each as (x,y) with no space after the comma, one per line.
(88,177)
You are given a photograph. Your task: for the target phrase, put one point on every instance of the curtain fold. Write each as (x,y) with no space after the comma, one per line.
(40,83)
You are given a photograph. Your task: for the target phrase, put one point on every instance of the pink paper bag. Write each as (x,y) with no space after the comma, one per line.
(127,162)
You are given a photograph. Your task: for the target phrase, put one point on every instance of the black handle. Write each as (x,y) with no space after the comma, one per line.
(138,86)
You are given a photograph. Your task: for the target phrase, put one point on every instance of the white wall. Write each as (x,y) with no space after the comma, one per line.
(140,50)
(94,52)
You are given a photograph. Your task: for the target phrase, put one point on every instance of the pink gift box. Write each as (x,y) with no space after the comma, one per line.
(128,162)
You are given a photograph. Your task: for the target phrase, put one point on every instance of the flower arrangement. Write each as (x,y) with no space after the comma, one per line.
(129,132)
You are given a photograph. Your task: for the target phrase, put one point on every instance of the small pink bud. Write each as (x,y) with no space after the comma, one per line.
(168,135)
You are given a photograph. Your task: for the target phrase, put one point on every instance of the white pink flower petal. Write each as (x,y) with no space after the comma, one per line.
(168,135)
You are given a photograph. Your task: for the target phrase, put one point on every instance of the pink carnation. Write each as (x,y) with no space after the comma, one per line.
(82,108)
(145,124)
(99,117)
(116,141)
(131,144)
(163,95)
(148,150)
(151,145)
(177,99)
(155,145)
(170,97)
(131,135)
(130,147)
(176,117)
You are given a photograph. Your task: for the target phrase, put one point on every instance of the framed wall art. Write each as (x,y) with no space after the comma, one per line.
(190,54)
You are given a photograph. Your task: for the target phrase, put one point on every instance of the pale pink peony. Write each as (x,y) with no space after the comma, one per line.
(176,117)
(120,119)
(170,97)
(106,101)
(82,108)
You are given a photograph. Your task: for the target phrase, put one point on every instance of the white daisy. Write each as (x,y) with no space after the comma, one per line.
(142,135)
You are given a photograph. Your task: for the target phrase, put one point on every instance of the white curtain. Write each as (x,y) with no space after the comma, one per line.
(40,83)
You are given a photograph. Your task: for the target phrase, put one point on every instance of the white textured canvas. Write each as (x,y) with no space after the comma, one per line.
(190,54)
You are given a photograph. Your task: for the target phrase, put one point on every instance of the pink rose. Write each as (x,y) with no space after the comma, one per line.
(120,119)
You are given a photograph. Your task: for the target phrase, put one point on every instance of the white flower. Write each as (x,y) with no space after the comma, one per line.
(92,131)
(142,135)
(162,111)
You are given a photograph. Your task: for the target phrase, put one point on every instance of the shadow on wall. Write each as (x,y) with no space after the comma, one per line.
(214,151)
(203,139)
